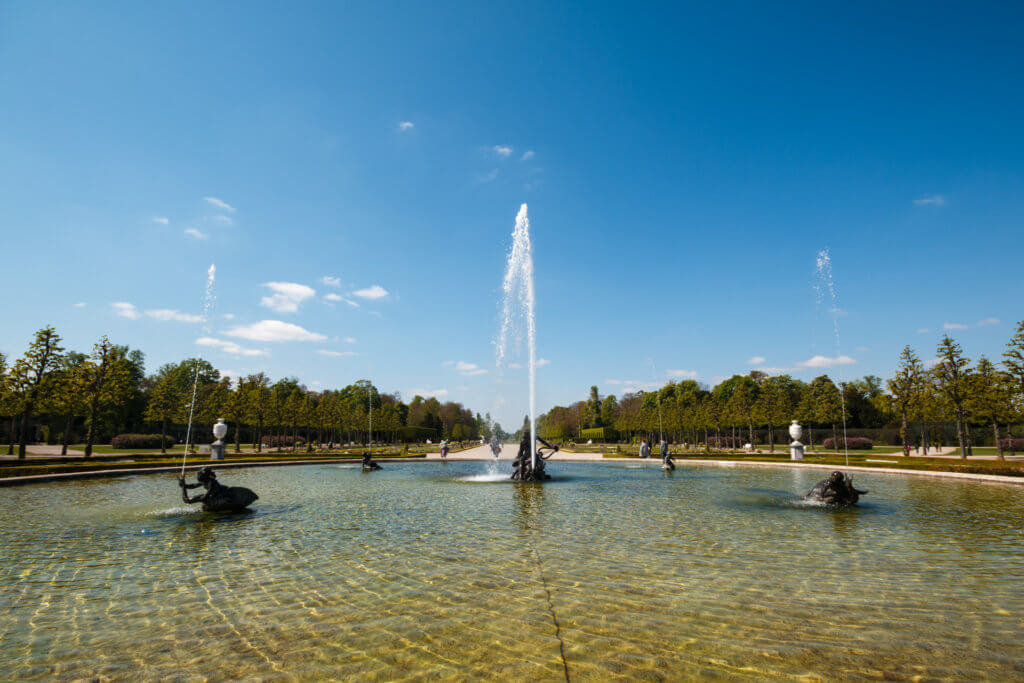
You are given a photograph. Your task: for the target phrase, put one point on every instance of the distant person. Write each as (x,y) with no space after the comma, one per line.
(444,449)
(645,449)
(495,447)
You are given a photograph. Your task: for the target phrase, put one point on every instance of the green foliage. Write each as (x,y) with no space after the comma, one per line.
(600,434)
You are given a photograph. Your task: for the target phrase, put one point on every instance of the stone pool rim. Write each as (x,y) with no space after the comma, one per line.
(94,474)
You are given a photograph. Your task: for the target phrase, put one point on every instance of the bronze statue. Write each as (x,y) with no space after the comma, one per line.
(523,468)
(218,498)
(368,464)
(836,490)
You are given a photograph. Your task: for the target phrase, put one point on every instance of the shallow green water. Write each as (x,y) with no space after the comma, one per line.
(412,572)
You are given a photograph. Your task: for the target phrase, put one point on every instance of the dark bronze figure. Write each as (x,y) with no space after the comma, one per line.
(368,464)
(218,498)
(836,490)
(522,467)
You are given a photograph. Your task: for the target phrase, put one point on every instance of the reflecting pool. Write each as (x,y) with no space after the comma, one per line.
(436,569)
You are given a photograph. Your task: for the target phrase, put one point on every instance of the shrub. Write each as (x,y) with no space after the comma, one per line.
(282,441)
(140,441)
(853,443)
(600,434)
(1012,444)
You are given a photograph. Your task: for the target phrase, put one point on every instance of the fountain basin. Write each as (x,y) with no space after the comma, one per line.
(435,569)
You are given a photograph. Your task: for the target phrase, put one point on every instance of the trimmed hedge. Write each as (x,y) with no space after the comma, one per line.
(727,442)
(600,434)
(282,441)
(854,443)
(140,441)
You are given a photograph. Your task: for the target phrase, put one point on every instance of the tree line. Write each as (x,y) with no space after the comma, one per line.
(51,392)
(951,391)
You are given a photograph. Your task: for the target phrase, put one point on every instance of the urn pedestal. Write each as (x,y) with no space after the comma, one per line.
(796,449)
(220,430)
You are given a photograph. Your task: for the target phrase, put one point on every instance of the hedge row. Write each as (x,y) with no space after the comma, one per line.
(282,441)
(600,434)
(140,441)
(853,443)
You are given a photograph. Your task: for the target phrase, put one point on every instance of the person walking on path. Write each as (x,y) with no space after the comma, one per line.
(645,449)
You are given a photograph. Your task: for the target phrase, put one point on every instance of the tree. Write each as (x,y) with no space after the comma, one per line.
(257,405)
(776,404)
(34,375)
(235,409)
(68,398)
(905,387)
(104,379)
(609,406)
(990,397)
(165,400)
(954,383)
(828,405)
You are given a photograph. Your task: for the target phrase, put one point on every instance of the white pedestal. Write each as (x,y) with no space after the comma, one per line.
(796,451)
(217,450)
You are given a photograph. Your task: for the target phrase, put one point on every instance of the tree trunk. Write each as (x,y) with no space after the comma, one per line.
(23,433)
(91,434)
(835,438)
(10,436)
(999,444)
(67,434)
(961,435)
(163,435)
(771,438)
(903,431)
(238,436)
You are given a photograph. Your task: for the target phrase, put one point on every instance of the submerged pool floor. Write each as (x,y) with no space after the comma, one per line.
(437,569)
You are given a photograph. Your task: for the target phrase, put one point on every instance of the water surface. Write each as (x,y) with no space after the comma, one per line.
(431,569)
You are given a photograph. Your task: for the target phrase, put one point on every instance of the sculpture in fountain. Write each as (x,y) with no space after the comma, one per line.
(837,490)
(527,468)
(218,498)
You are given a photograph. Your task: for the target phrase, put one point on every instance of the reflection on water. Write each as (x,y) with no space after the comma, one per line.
(420,571)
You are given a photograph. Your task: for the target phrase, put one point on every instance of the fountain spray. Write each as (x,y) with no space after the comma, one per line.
(823,269)
(207,305)
(518,300)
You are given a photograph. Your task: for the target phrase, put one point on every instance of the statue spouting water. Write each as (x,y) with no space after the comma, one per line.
(218,498)
(837,490)
(527,468)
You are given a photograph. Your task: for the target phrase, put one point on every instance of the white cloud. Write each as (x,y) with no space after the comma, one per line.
(125,310)
(427,393)
(932,200)
(199,235)
(336,354)
(220,219)
(349,340)
(487,177)
(932,362)
(691,374)
(351,303)
(405,125)
(515,366)
(863,348)
(632,384)
(755,360)
(167,314)
(954,326)
(465,369)
(924,330)
(330,281)
(230,347)
(229,316)
(80,304)
(161,220)
(528,154)
(219,203)
(286,297)
(774,370)
(502,150)
(541,362)
(333,297)
(274,331)
(826,362)
(374,292)
(989,321)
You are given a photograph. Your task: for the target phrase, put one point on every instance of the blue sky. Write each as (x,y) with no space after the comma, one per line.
(683,167)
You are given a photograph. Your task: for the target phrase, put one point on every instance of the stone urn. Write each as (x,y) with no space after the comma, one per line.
(220,430)
(796,449)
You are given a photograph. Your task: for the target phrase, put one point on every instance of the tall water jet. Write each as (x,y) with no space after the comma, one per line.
(208,300)
(518,307)
(823,271)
